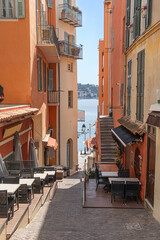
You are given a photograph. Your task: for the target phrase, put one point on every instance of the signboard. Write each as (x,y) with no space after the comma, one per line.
(1,94)
(81,116)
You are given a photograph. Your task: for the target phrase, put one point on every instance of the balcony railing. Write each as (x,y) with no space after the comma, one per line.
(53,97)
(48,36)
(69,50)
(70,14)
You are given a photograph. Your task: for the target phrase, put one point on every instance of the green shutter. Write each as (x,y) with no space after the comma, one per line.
(128,12)
(66,46)
(20,8)
(37,20)
(50,80)
(50,4)
(129,88)
(44,76)
(73,40)
(39,69)
(138,86)
(136,19)
(127,37)
(142,84)
(148,17)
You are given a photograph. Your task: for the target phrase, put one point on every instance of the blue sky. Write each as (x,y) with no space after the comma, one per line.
(88,35)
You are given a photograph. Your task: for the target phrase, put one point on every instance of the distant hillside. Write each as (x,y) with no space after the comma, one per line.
(87,91)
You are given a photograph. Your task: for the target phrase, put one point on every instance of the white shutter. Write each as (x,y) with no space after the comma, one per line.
(50,3)
(20,8)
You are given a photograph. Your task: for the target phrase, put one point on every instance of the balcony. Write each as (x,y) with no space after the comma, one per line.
(70,15)
(69,50)
(48,43)
(53,98)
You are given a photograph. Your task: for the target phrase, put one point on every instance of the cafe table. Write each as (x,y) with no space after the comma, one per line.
(124,180)
(42,176)
(28,181)
(12,189)
(109,174)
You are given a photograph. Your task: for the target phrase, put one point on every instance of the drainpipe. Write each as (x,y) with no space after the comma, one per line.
(109,63)
(125,63)
(59,115)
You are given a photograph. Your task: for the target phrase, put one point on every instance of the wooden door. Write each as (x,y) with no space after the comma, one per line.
(151,171)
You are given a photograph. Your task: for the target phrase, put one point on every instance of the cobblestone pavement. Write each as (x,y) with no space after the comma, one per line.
(65,218)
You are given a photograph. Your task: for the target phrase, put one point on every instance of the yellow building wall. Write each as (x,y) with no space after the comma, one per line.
(151,43)
(68,82)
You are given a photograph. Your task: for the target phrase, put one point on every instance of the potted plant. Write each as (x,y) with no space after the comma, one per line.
(130,27)
(63,13)
(144,11)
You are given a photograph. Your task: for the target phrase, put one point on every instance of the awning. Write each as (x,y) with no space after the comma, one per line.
(90,142)
(52,143)
(154,119)
(122,136)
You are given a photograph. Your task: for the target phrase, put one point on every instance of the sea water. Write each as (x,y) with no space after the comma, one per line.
(90,108)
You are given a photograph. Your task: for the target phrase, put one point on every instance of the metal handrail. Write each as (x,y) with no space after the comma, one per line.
(70,14)
(71,50)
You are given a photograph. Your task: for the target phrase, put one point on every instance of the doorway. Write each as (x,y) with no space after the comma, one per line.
(69,153)
(151,165)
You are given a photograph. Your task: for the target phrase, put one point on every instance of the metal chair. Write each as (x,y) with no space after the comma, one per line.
(27,175)
(99,179)
(131,190)
(6,205)
(38,170)
(11,180)
(38,185)
(24,194)
(123,173)
(117,189)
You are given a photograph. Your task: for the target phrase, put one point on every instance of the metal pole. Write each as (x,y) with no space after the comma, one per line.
(85,142)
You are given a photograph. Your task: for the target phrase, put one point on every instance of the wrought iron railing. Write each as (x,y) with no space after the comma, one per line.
(53,97)
(70,14)
(48,36)
(70,50)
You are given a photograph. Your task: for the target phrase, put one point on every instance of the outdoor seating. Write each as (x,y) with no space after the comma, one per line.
(131,190)
(123,173)
(117,189)
(38,170)
(6,205)
(11,180)
(99,179)
(24,194)
(38,185)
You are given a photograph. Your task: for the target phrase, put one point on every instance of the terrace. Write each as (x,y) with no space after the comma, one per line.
(70,14)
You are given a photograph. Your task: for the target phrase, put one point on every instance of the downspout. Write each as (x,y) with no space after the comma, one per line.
(59,115)
(109,63)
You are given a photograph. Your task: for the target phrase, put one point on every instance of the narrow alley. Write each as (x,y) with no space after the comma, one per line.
(65,218)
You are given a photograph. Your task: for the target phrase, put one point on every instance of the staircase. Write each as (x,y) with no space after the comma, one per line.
(108,145)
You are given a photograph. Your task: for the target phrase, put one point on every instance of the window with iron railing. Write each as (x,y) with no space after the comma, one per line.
(12,9)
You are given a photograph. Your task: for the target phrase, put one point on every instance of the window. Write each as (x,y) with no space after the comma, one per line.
(136,19)
(70,67)
(39,66)
(102,84)
(140,85)
(148,17)
(44,75)
(50,80)
(102,60)
(12,8)
(128,9)
(129,88)
(70,99)
(69,46)
(50,3)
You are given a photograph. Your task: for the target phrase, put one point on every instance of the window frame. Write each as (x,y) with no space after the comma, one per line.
(39,73)
(70,99)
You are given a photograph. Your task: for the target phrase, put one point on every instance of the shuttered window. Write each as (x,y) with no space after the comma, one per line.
(136,19)
(149,11)
(37,20)
(70,99)
(44,76)
(12,8)
(50,80)
(129,88)
(39,69)
(140,85)
(50,3)
(128,10)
